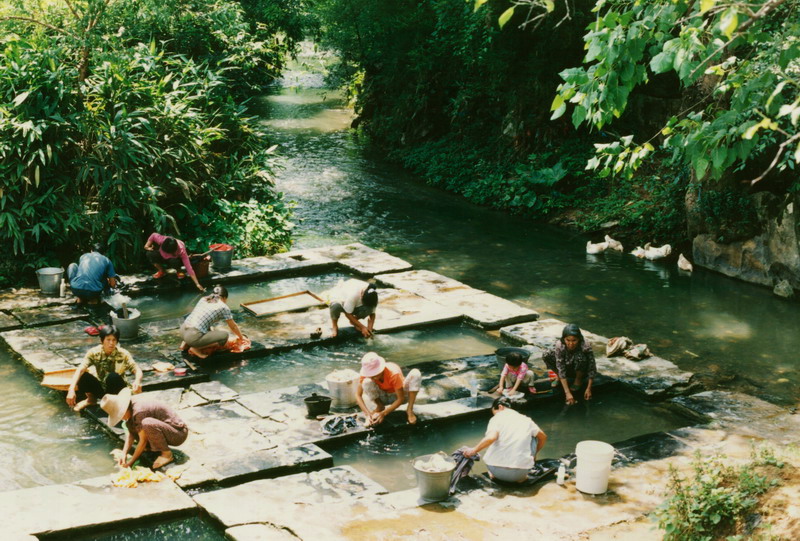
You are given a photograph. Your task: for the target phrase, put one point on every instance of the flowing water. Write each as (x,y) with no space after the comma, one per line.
(731,334)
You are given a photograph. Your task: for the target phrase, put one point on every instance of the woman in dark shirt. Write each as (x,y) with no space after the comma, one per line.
(154,424)
(571,358)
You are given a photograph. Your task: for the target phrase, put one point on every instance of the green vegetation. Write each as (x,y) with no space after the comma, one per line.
(119,118)
(463,93)
(715,501)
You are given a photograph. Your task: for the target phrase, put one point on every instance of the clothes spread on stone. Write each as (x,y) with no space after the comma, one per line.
(512,449)
(206,313)
(337,424)
(566,363)
(119,361)
(463,467)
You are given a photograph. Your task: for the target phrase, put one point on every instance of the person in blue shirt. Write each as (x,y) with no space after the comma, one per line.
(93,273)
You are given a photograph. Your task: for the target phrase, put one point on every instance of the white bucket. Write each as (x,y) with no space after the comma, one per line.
(434,486)
(594,466)
(343,385)
(128,328)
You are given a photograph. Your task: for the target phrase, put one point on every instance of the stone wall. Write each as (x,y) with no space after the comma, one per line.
(771,259)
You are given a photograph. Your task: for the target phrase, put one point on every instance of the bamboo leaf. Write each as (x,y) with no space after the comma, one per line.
(505,17)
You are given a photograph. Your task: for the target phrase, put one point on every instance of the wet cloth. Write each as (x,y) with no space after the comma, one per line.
(346,297)
(337,424)
(566,363)
(463,467)
(159,422)
(393,379)
(91,274)
(514,447)
(181,255)
(119,361)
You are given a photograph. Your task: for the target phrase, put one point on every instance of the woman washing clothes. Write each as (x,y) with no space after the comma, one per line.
(111,362)
(153,424)
(572,359)
(167,251)
(198,337)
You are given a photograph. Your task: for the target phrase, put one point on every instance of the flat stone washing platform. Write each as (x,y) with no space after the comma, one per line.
(257,437)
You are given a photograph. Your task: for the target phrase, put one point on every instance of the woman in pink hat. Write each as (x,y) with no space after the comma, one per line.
(383,383)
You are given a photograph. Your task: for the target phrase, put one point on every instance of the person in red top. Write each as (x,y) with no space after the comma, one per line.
(383,383)
(163,250)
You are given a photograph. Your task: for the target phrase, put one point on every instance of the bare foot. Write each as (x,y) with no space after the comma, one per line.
(183,346)
(197,353)
(412,418)
(82,404)
(165,458)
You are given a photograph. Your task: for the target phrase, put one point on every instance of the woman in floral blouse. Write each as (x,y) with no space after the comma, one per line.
(571,358)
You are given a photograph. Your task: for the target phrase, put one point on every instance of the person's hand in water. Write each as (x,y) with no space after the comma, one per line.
(588,394)
(571,400)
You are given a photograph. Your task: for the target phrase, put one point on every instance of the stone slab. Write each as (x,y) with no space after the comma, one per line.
(269,463)
(26,297)
(86,504)
(744,414)
(9,322)
(214,391)
(49,315)
(259,532)
(477,306)
(287,502)
(654,377)
(252,268)
(362,259)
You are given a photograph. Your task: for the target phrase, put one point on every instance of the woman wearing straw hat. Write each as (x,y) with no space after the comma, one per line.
(154,424)
(383,383)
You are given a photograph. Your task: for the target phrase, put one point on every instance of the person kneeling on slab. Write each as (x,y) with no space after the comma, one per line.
(384,383)
(154,424)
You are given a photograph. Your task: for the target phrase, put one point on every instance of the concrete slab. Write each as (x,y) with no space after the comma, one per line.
(74,507)
(477,306)
(654,377)
(252,268)
(362,259)
(259,532)
(746,415)
(287,503)
(214,391)
(49,315)
(9,322)
(26,297)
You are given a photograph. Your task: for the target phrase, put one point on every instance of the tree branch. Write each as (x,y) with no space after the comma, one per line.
(776,159)
(34,21)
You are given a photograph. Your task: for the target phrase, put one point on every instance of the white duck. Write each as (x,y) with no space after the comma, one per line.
(684,264)
(638,252)
(614,244)
(652,253)
(597,248)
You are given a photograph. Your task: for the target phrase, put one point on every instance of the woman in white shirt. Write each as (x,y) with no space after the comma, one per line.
(513,441)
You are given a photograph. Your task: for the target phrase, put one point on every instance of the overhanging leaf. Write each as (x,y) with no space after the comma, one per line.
(729,22)
(505,17)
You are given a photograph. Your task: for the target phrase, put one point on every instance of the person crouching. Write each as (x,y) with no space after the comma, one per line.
(383,383)
(154,424)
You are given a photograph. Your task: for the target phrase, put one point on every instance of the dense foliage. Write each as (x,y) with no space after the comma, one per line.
(117,119)
(738,65)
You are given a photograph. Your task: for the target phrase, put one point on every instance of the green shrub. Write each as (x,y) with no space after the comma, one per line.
(711,503)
